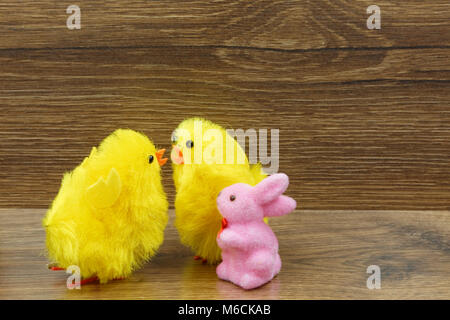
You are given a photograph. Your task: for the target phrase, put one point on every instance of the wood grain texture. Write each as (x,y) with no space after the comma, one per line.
(359,129)
(325,256)
(364,115)
(274,24)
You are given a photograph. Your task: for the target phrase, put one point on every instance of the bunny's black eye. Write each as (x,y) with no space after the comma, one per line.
(232,197)
(189,144)
(150,159)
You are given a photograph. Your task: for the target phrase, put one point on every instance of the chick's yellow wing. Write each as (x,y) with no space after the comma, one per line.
(104,193)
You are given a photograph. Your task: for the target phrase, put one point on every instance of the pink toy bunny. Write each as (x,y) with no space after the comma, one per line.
(249,247)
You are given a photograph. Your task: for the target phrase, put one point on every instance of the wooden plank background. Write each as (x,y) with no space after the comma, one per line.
(364,115)
(264,24)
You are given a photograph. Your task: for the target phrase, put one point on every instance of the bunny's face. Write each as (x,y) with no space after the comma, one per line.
(236,204)
(242,203)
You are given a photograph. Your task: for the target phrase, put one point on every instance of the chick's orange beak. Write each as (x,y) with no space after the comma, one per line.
(159,155)
(176,155)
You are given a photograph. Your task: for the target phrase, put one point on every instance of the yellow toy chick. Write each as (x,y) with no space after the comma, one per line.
(205,160)
(111,211)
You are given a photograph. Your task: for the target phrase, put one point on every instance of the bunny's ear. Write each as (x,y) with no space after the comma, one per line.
(279,207)
(270,188)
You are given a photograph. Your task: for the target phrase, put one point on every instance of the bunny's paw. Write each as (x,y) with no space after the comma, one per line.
(221,271)
(261,263)
(231,239)
(249,281)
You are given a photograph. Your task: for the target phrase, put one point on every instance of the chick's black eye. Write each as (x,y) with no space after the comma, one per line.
(232,197)
(189,144)
(150,159)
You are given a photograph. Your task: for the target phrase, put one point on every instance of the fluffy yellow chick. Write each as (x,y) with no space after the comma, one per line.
(205,159)
(111,211)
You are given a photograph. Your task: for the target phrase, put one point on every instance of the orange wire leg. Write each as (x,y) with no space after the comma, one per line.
(88,280)
(57,268)
(85,281)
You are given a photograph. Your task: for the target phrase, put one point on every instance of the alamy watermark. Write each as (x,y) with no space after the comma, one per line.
(215,146)
(374,20)
(74,20)
(74,280)
(374,281)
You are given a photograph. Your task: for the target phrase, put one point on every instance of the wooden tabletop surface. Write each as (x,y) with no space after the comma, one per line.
(325,255)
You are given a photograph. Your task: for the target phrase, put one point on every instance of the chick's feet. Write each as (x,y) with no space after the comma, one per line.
(57,268)
(83,282)
(204,261)
(88,280)
(54,267)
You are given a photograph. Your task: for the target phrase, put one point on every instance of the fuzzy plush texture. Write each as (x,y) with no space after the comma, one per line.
(249,246)
(111,211)
(197,185)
